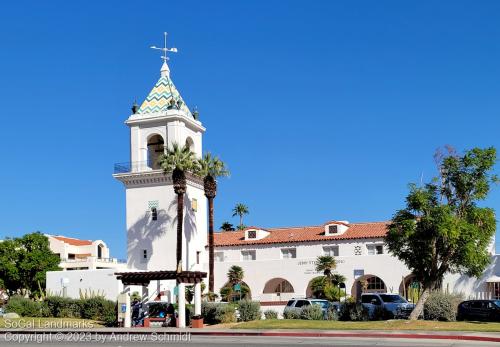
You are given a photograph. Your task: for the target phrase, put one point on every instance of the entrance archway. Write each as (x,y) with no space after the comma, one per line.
(410,288)
(367,284)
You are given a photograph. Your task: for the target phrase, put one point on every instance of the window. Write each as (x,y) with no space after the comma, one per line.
(219,256)
(357,250)
(332,251)
(301,303)
(198,257)
(194,205)
(288,253)
(251,234)
(154,213)
(248,255)
(332,229)
(375,249)
(284,287)
(144,256)
(375,283)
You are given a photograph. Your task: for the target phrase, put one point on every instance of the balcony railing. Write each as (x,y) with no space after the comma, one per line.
(94,259)
(134,166)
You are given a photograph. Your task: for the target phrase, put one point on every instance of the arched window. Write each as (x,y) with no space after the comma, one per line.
(190,144)
(156,146)
(278,285)
(99,251)
(375,283)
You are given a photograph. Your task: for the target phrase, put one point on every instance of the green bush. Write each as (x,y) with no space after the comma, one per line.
(311,312)
(60,307)
(441,306)
(352,311)
(249,310)
(26,307)
(208,312)
(291,314)
(225,313)
(332,314)
(99,309)
(271,314)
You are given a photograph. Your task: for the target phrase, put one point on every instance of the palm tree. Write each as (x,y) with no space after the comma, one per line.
(326,263)
(178,161)
(337,279)
(235,274)
(210,168)
(226,226)
(240,210)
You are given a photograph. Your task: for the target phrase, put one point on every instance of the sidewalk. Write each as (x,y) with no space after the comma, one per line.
(399,334)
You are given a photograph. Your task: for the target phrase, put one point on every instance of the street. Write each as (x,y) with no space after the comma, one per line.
(123,340)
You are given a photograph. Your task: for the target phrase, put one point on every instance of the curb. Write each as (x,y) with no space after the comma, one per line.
(200,332)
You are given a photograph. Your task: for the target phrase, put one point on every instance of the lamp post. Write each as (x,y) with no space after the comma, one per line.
(342,286)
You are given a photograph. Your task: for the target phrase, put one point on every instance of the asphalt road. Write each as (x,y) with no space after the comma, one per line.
(67,340)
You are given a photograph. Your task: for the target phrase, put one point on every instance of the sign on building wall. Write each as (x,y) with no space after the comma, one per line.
(358,273)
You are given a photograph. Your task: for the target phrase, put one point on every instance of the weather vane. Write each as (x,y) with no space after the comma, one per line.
(165,49)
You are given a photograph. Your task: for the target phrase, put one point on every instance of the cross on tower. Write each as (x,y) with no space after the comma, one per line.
(165,49)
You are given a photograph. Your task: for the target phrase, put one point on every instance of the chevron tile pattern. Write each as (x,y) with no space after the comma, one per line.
(163,96)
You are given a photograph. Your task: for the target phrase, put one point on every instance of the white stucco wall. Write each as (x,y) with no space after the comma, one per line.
(98,281)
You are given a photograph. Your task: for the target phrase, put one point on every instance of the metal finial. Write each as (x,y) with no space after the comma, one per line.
(165,49)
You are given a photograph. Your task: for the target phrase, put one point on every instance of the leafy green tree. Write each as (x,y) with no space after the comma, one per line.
(226,226)
(24,262)
(178,161)
(240,210)
(442,229)
(210,168)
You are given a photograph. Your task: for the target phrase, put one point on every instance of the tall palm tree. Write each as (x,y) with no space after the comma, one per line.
(240,210)
(235,274)
(178,161)
(326,263)
(210,168)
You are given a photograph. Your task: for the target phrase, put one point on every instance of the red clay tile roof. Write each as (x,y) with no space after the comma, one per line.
(302,234)
(72,241)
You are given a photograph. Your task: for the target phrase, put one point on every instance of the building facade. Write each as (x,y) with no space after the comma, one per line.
(279,263)
(79,254)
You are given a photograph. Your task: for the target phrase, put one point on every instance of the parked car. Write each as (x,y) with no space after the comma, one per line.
(297,304)
(390,305)
(488,310)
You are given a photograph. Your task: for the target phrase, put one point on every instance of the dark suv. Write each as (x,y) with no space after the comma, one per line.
(488,310)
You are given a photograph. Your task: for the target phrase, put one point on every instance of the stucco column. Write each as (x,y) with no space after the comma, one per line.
(145,294)
(182,305)
(197,299)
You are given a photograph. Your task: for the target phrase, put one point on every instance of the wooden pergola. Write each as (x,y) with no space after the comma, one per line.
(143,278)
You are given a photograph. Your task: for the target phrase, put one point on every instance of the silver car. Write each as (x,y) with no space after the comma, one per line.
(297,304)
(390,305)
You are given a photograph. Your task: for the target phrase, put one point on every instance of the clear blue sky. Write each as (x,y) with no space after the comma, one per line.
(323,110)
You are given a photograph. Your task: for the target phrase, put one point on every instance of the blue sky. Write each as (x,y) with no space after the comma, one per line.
(322,109)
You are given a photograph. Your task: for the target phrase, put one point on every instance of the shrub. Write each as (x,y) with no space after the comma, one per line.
(60,307)
(311,312)
(352,311)
(271,314)
(208,312)
(99,309)
(332,314)
(225,313)
(249,310)
(26,307)
(441,306)
(289,313)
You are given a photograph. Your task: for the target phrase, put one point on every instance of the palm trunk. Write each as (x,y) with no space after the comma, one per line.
(241,220)
(419,307)
(211,245)
(180,218)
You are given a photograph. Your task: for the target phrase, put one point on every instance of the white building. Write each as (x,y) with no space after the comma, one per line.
(79,254)
(279,263)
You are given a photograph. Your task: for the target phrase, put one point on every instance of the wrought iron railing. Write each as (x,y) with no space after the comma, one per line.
(134,166)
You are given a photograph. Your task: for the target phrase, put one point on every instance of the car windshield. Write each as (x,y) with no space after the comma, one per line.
(323,304)
(497,302)
(392,298)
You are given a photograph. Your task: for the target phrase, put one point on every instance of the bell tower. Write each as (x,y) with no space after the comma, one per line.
(163,118)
